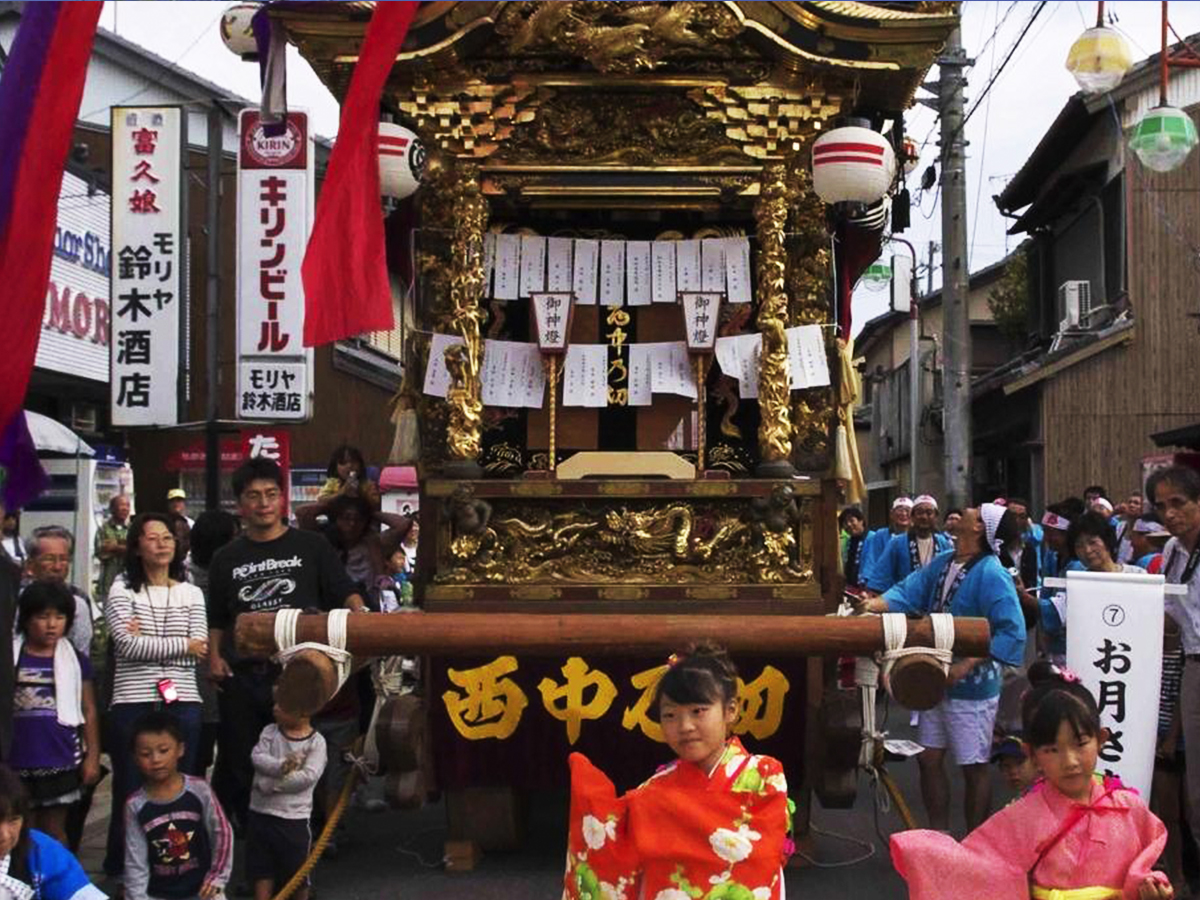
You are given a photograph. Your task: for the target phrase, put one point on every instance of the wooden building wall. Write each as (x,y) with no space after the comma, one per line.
(1099,414)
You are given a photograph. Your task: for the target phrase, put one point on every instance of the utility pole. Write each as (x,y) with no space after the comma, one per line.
(933,248)
(212,315)
(956,337)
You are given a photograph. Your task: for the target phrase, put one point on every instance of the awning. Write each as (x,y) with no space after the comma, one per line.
(1187,436)
(51,436)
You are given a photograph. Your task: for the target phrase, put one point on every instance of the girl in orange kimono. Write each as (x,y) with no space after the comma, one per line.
(712,825)
(1074,836)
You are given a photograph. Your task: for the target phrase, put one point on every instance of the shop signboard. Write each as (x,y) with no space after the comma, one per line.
(148,266)
(275,210)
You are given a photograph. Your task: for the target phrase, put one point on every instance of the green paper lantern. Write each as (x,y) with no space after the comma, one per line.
(1163,138)
(877,276)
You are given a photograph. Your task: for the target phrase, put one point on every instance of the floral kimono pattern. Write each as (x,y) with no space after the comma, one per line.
(1043,842)
(682,835)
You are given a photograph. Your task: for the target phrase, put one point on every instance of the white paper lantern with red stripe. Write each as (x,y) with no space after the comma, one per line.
(852,165)
(401,161)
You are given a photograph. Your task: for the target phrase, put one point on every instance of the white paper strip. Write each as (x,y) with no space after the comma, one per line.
(533,264)
(671,369)
(585,267)
(712,264)
(641,392)
(663,254)
(737,270)
(512,375)
(585,376)
(612,273)
(508,267)
(807,361)
(489,263)
(437,376)
(637,272)
(687,259)
(558,257)
(738,357)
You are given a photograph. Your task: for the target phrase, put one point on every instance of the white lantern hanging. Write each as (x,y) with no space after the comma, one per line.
(236,31)
(1163,138)
(1099,59)
(852,164)
(401,161)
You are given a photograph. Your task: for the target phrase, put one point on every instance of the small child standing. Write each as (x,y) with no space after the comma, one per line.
(1074,834)
(1015,765)
(178,843)
(288,761)
(56,729)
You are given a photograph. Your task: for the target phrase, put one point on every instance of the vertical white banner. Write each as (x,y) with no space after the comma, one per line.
(275,191)
(1114,645)
(148,284)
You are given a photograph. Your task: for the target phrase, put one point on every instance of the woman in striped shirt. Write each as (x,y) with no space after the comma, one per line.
(159,628)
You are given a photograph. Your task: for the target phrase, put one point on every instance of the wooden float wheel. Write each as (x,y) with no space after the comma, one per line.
(917,682)
(839,721)
(402,733)
(405,790)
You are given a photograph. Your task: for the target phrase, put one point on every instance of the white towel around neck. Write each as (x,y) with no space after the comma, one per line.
(68,680)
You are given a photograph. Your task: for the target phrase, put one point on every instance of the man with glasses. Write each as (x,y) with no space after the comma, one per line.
(269,567)
(49,552)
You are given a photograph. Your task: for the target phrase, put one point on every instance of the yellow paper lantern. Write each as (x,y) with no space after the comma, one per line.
(1099,59)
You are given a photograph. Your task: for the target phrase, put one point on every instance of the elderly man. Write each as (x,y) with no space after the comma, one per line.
(177,506)
(906,553)
(110,544)
(49,551)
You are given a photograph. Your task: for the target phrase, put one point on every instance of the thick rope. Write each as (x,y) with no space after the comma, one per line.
(285,629)
(326,835)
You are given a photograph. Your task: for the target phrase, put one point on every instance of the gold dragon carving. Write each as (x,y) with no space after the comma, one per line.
(465,361)
(633,542)
(616,37)
(774,381)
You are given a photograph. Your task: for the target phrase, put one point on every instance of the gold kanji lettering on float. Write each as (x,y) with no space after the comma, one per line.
(492,704)
(761,703)
(567,702)
(638,715)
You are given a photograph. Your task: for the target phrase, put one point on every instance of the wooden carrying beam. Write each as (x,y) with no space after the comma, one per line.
(546,634)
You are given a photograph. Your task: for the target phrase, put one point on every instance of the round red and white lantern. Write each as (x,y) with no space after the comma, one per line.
(401,161)
(236,31)
(852,164)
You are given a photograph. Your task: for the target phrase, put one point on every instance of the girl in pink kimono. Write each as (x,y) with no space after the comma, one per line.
(1074,836)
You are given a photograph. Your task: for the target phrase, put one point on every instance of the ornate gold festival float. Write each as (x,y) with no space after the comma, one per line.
(631,123)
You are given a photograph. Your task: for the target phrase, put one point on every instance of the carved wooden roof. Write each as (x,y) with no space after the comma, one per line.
(603,84)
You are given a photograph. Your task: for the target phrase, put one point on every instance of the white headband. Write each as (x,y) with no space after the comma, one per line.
(1100,501)
(925,500)
(902,502)
(1154,529)
(1055,521)
(991,513)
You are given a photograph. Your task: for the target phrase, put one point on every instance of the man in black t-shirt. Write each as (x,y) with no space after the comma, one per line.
(269,567)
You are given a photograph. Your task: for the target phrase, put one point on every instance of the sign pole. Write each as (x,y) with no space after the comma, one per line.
(553,313)
(702,401)
(701,322)
(212,314)
(552,389)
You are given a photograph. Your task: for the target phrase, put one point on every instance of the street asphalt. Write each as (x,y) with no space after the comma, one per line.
(398,854)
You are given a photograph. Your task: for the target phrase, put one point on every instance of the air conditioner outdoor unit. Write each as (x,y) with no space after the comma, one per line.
(1074,303)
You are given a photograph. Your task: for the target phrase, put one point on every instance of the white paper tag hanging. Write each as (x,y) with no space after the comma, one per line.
(663,261)
(437,376)
(558,264)
(585,376)
(637,273)
(612,273)
(586,264)
(533,264)
(712,264)
(807,362)
(641,392)
(512,375)
(508,267)
(687,260)
(737,270)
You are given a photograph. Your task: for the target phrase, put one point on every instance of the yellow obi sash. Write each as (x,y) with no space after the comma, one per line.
(1084,893)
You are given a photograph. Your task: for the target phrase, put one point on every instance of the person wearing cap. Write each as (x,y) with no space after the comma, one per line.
(1015,765)
(876,542)
(177,506)
(966,581)
(1147,537)
(905,553)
